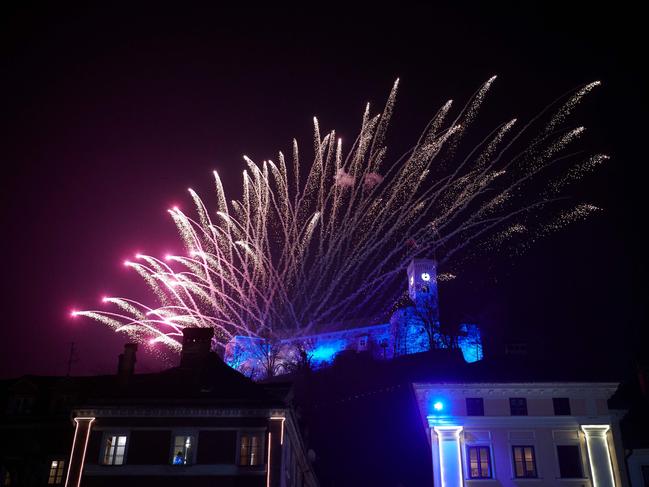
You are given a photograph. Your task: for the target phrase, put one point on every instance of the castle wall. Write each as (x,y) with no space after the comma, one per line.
(405,334)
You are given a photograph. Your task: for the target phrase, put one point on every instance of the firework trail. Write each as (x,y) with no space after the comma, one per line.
(308,245)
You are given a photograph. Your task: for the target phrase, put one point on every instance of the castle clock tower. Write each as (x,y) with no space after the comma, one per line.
(422,281)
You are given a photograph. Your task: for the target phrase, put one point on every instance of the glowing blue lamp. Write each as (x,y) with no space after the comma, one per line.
(438,406)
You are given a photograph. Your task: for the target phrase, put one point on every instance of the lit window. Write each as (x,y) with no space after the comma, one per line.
(524,462)
(56,472)
(114,450)
(569,462)
(182,452)
(561,406)
(518,406)
(474,406)
(479,462)
(250,449)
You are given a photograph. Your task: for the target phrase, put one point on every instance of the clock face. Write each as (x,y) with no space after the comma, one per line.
(425,276)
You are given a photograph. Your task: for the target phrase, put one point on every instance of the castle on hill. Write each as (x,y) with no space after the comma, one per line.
(413,327)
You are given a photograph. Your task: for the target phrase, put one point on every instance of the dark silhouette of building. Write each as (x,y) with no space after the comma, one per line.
(201,423)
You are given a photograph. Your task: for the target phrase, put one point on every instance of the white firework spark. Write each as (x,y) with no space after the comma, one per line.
(308,245)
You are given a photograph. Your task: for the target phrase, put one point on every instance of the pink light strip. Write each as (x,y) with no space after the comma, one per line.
(281,438)
(267,463)
(85,447)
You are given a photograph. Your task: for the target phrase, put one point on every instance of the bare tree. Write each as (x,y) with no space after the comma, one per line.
(268,351)
(300,357)
(440,333)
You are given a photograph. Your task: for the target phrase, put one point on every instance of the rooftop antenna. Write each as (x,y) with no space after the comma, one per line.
(72,358)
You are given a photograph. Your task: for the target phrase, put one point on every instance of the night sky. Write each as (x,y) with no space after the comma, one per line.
(110,114)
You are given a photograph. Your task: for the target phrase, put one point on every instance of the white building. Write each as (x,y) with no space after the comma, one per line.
(522,434)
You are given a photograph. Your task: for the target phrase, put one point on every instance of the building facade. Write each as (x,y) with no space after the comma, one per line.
(199,424)
(35,429)
(515,434)
(168,445)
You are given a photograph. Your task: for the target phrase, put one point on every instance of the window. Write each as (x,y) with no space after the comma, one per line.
(6,481)
(569,462)
(250,449)
(645,474)
(516,348)
(114,450)
(524,462)
(561,406)
(362,343)
(20,405)
(474,406)
(518,406)
(479,462)
(182,450)
(56,472)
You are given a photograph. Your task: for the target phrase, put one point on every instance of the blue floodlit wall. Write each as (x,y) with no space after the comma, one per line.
(405,334)
(402,336)
(246,354)
(471,343)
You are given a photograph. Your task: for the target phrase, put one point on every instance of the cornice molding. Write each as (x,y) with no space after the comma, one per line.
(530,389)
(147,412)
(522,422)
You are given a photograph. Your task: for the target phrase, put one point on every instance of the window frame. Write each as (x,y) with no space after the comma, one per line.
(191,459)
(262,433)
(21,405)
(511,406)
(579,457)
(478,446)
(554,406)
(59,468)
(644,472)
(466,401)
(363,343)
(536,467)
(104,446)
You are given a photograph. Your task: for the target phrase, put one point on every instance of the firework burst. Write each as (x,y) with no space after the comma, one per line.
(312,244)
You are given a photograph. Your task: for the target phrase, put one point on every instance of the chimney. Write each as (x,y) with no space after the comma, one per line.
(197,344)
(126,363)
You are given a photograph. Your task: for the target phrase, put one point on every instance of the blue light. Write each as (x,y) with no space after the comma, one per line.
(324,354)
(438,406)
(471,343)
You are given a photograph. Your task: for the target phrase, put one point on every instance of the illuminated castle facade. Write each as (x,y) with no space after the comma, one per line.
(412,328)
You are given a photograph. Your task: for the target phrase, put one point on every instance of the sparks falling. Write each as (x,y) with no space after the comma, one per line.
(311,244)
